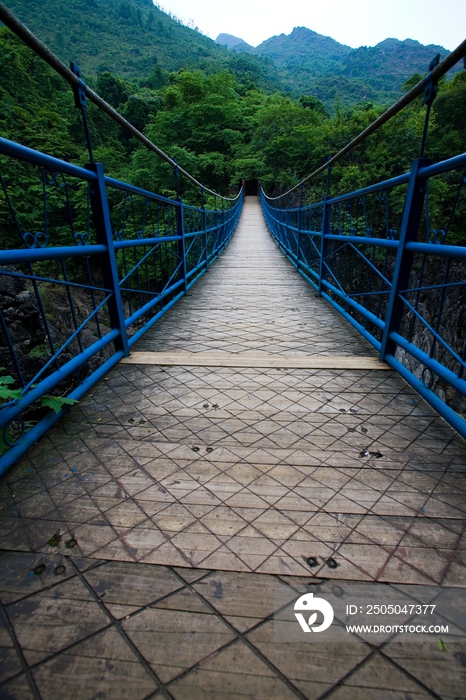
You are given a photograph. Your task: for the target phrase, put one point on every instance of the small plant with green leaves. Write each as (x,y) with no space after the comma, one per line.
(8,393)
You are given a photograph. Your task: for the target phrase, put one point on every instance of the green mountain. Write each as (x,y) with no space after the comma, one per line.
(134,39)
(304,49)
(389,64)
(126,37)
(310,63)
(216,127)
(232,42)
(131,38)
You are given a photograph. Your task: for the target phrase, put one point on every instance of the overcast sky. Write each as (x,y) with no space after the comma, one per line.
(352,22)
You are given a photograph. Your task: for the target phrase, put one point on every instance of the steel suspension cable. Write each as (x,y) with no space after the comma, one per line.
(25,34)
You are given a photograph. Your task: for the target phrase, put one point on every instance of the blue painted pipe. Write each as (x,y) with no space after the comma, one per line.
(126,187)
(386,184)
(49,383)
(39,430)
(444,166)
(445,411)
(433,365)
(29,155)
(135,242)
(440,249)
(18,256)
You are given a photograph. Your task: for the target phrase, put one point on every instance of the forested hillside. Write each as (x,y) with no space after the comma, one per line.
(221,124)
(309,62)
(132,38)
(217,127)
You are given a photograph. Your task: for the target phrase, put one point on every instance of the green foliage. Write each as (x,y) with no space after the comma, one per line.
(7,393)
(132,39)
(442,646)
(449,110)
(113,90)
(315,64)
(56,403)
(135,40)
(218,124)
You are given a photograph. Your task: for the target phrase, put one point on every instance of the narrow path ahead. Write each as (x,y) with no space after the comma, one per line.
(176,497)
(253,468)
(251,302)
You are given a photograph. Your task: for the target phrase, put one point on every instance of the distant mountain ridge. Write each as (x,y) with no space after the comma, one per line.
(132,38)
(135,39)
(232,42)
(312,63)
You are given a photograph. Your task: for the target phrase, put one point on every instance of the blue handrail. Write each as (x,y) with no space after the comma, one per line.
(361,252)
(128,263)
(113,258)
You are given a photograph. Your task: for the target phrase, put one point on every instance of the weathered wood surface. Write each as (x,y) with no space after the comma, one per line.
(252,360)
(175,496)
(244,468)
(106,629)
(252,300)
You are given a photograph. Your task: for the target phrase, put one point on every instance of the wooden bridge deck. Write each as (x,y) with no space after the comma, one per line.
(250,430)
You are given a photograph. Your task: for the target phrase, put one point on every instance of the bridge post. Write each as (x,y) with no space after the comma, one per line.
(204,228)
(215,225)
(181,242)
(104,235)
(223,222)
(298,247)
(287,222)
(411,220)
(324,241)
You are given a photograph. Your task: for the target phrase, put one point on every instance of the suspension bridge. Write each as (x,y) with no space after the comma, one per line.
(268,396)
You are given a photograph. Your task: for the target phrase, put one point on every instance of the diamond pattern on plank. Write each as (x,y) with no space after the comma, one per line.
(248,468)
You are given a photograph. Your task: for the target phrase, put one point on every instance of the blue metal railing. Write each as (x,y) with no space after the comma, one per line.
(107,259)
(363,252)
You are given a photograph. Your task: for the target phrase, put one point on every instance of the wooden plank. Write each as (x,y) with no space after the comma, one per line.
(254,360)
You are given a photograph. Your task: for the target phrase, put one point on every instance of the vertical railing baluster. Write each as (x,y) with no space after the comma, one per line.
(181,243)
(104,235)
(180,230)
(204,228)
(411,220)
(287,236)
(298,249)
(324,241)
(217,238)
(325,229)
(223,219)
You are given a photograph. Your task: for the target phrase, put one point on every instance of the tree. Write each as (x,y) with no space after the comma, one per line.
(112,89)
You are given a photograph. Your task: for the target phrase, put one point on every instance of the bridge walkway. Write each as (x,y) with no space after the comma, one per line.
(251,429)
